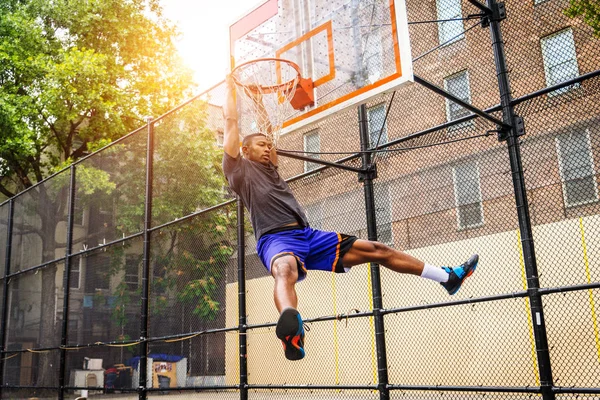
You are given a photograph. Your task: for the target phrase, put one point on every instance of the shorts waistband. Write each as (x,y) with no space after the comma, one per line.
(284,229)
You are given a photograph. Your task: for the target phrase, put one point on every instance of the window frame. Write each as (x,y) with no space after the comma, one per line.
(448,101)
(561,168)
(71,271)
(370,110)
(79,210)
(135,258)
(311,166)
(546,57)
(443,41)
(456,199)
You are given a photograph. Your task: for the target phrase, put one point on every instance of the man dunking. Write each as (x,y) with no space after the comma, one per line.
(288,246)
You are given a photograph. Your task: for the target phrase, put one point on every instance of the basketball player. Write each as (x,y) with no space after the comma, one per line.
(288,246)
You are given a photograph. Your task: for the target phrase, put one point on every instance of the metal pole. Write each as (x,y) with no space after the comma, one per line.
(66,281)
(460,102)
(146,262)
(516,166)
(242,300)
(9,229)
(367,179)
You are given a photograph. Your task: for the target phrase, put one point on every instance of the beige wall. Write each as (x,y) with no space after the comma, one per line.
(497,335)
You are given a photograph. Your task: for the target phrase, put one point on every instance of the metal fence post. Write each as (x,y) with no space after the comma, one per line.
(143,365)
(9,228)
(242,300)
(516,166)
(66,280)
(367,179)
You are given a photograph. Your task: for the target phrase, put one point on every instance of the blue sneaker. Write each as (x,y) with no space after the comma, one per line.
(459,274)
(290,330)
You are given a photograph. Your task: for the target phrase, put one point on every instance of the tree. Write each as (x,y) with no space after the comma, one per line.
(589,9)
(75,75)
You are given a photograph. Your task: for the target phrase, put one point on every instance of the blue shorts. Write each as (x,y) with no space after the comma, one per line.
(312,248)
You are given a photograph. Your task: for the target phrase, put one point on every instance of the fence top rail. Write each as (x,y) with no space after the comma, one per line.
(415,135)
(115,142)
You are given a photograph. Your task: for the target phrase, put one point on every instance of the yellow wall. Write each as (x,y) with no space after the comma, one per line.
(421,345)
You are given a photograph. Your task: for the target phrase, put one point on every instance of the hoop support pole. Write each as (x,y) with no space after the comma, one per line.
(318,161)
(462,103)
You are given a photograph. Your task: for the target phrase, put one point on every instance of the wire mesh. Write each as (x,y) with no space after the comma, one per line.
(34,299)
(4,212)
(310,394)
(102,370)
(109,195)
(559,48)
(196,394)
(39,227)
(105,294)
(31,369)
(451,339)
(28,393)
(195,361)
(573,337)
(189,287)
(437,395)
(193,289)
(441,194)
(187,173)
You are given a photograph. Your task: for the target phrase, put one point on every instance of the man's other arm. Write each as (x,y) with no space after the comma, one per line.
(231,136)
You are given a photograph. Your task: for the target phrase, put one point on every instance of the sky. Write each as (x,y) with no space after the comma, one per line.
(204,41)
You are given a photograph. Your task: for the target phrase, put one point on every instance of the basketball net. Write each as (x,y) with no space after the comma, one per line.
(267,86)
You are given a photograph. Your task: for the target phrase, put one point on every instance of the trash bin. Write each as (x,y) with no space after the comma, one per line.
(164,382)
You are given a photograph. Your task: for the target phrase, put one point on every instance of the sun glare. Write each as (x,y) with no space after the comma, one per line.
(204,41)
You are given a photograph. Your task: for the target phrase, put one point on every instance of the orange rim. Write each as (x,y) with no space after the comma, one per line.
(286,86)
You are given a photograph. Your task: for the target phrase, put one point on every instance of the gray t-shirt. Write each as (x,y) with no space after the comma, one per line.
(264,193)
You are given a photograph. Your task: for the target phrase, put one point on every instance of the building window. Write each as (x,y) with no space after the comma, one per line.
(97,273)
(314,214)
(377,126)
(75,274)
(467,193)
(576,166)
(449,31)
(312,143)
(383,214)
(78,210)
(560,60)
(458,85)
(132,272)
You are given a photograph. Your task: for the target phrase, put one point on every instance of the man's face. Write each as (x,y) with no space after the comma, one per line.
(258,150)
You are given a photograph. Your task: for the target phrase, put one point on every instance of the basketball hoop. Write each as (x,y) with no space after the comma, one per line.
(270,84)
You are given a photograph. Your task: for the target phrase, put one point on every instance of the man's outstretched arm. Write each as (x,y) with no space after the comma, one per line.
(231,136)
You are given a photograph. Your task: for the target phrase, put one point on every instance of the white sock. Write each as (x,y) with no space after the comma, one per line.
(434,273)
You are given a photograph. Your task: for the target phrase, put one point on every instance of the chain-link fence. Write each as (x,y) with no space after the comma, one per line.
(134,273)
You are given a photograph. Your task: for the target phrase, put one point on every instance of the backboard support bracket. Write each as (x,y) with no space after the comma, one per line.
(368,173)
(498,13)
(462,103)
(519,126)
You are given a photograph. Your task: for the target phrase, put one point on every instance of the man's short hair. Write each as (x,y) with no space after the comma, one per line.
(248,139)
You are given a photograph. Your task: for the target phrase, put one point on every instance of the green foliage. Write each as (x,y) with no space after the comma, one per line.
(589,9)
(77,73)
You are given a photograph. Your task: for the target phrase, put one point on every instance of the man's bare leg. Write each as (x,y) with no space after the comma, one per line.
(364,251)
(285,272)
(290,328)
